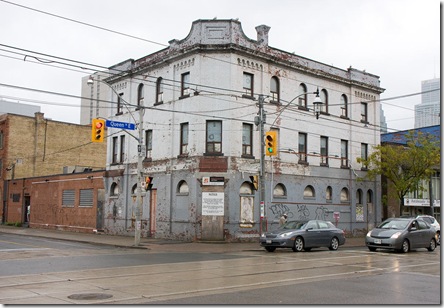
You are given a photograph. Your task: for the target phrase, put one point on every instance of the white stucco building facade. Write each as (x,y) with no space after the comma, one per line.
(199,99)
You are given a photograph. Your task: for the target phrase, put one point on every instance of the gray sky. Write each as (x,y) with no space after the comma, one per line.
(397,40)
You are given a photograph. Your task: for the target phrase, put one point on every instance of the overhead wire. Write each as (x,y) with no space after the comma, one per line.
(120,33)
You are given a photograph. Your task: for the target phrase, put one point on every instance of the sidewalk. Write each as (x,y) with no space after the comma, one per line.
(148,243)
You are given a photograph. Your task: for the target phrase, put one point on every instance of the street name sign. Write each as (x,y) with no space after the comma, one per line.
(121,125)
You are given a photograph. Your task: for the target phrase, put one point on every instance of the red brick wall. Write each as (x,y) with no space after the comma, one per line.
(46,195)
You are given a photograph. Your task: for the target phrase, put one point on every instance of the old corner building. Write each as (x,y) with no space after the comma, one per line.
(199,103)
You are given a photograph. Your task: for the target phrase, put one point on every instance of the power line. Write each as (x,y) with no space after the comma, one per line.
(84,23)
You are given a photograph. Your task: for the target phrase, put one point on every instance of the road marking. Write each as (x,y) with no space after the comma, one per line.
(23,249)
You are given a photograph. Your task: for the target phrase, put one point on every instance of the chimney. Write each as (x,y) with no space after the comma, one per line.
(262,35)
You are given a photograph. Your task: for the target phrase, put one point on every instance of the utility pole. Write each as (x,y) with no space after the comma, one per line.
(141,149)
(262,165)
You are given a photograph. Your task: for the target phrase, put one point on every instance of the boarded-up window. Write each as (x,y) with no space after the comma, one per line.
(86,197)
(15,197)
(68,197)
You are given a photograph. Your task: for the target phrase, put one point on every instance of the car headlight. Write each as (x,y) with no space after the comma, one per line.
(263,235)
(369,233)
(396,235)
(286,234)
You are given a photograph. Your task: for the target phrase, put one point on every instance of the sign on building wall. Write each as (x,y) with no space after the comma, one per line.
(213,203)
(213,180)
(421,202)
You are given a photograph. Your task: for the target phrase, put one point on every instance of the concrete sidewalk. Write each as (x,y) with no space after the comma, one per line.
(148,243)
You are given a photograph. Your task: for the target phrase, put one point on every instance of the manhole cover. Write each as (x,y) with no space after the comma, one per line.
(90,296)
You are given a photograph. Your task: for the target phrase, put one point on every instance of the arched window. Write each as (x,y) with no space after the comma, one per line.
(274,89)
(246,189)
(359,196)
(344,106)
(279,191)
(329,193)
(182,187)
(344,195)
(246,205)
(309,192)
(140,95)
(324,98)
(134,189)
(369,196)
(159,90)
(114,191)
(303,98)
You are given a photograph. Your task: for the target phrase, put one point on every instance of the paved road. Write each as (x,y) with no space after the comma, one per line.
(39,270)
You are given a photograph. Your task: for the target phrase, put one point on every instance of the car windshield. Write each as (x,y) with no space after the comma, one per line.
(294,225)
(394,224)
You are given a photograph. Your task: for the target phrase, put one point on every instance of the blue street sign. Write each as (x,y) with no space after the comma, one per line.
(121,125)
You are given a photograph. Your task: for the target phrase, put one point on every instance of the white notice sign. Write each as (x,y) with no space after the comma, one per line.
(213,203)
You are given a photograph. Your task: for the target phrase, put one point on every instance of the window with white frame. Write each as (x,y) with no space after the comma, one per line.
(115,150)
(302,101)
(120,103)
(214,138)
(184,138)
(274,89)
(148,142)
(324,151)
(247,139)
(140,95)
(185,85)
(364,155)
(302,148)
(122,148)
(344,106)
(324,98)
(364,114)
(344,153)
(159,91)
(248,84)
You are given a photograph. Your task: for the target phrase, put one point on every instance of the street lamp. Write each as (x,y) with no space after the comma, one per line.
(138,211)
(260,120)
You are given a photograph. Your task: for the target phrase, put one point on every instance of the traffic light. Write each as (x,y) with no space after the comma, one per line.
(97,130)
(271,143)
(148,182)
(255,181)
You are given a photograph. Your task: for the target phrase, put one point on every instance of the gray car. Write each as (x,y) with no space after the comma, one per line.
(401,235)
(303,235)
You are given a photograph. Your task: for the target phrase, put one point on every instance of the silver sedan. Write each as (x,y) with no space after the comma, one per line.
(303,235)
(402,235)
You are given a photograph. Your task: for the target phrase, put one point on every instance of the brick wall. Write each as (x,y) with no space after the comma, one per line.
(45,195)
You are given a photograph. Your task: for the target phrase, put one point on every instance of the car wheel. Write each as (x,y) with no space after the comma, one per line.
(438,241)
(270,249)
(405,246)
(372,248)
(334,244)
(298,244)
(432,245)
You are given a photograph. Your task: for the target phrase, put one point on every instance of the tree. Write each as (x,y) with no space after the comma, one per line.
(405,165)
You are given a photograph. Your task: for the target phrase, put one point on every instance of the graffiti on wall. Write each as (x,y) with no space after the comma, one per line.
(302,212)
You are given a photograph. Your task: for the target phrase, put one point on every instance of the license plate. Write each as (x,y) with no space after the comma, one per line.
(377,241)
(268,241)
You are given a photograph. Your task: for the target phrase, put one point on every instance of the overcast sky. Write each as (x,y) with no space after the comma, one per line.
(397,40)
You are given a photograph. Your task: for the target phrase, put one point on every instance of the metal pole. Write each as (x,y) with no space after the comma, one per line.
(262,163)
(140,147)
